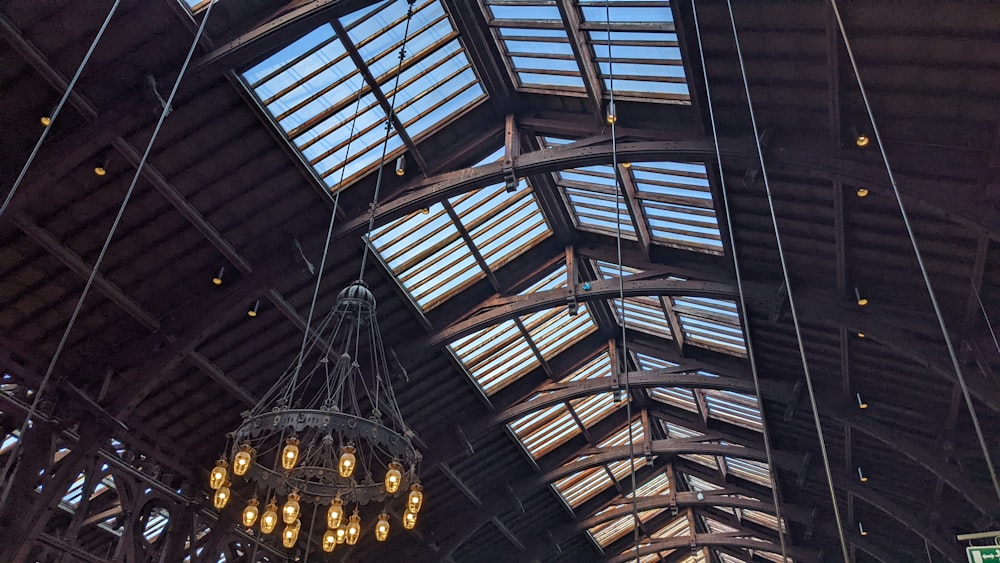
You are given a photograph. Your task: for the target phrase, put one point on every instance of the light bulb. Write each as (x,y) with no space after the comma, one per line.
(341,532)
(347,461)
(291,534)
(401,165)
(290,512)
(862,192)
(290,455)
(221,497)
(46,121)
(218,475)
(393,477)
(626,165)
(335,514)
(611,116)
(242,460)
(862,141)
(353,529)
(250,513)
(270,518)
(217,280)
(329,540)
(100,170)
(415,499)
(382,527)
(409,520)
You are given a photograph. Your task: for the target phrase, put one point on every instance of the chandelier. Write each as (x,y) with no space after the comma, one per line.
(331,436)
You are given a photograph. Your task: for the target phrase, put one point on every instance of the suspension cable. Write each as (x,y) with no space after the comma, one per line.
(100,258)
(389,117)
(916,251)
(739,286)
(788,289)
(989,324)
(611,118)
(59,106)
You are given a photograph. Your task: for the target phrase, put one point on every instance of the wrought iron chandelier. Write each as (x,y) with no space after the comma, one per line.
(330,435)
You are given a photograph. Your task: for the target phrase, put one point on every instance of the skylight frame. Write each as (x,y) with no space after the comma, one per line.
(438,84)
(584,485)
(564,76)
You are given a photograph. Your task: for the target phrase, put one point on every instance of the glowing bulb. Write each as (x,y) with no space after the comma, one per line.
(425,210)
(862,141)
(291,534)
(861,528)
(341,532)
(217,280)
(861,335)
(393,477)
(347,461)
(250,513)
(409,520)
(329,541)
(415,499)
(290,455)
(382,527)
(401,165)
(100,170)
(253,312)
(861,476)
(862,301)
(353,529)
(46,121)
(270,518)
(862,192)
(290,512)
(242,460)
(221,497)
(335,514)
(861,403)
(611,116)
(218,476)
(626,165)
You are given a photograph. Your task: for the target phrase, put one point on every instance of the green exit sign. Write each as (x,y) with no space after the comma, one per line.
(984,554)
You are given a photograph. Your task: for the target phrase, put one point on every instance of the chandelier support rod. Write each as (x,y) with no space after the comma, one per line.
(788,288)
(326,246)
(97,263)
(773,472)
(388,133)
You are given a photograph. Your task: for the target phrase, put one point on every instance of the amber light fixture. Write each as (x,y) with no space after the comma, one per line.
(217,279)
(409,520)
(253,312)
(242,460)
(101,169)
(348,460)
(329,541)
(290,454)
(861,476)
(862,192)
(270,518)
(290,512)
(861,300)
(861,403)
(251,512)
(393,477)
(46,121)
(217,477)
(335,514)
(611,114)
(401,165)
(221,498)
(353,528)
(382,527)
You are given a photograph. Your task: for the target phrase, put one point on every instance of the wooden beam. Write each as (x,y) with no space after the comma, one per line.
(572,21)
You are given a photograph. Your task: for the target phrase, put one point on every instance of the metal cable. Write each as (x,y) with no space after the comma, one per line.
(326,248)
(612,117)
(788,289)
(916,251)
(388,134)
(59,106)
(986,315)
(739,286)
(100,258)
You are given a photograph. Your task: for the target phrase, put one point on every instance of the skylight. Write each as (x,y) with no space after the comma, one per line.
(583,485)
(536,46)
(537,41)
(645,56)
(542,431)
(670,201)
(434,256)
(311,86)
(502,354)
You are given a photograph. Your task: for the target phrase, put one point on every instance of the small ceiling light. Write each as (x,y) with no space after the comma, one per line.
(861,403)
(401,165)
(290,512)
(611,116)
(354,528)
(335,514)
(242,460)
(290,454)
(253,312)
(862,192)
(46,121)
(861,528)
(101,169)
(426,210)
(217,280)
(415,499)
(861,139)
(862,301)
(626,165)
(347,461)
(393,477)
(291,534)
(341,533)
(861,335)
(861,476)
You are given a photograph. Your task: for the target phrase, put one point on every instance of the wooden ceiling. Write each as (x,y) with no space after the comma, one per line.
(176,359)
